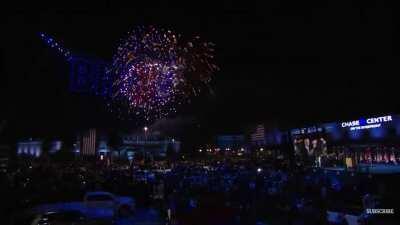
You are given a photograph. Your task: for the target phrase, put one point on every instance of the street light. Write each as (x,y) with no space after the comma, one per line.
(145,133)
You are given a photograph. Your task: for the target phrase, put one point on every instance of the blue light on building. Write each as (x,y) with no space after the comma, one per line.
(103,148)
(230,141)
(355,134)
(30,148)
(55,146)
(378,133)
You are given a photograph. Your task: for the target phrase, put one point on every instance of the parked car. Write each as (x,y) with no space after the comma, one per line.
(95,205)
(67,217)
(103,204)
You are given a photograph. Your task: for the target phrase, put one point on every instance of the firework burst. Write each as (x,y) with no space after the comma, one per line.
(155,70)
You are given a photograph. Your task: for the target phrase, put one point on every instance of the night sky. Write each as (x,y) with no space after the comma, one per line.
(281,61)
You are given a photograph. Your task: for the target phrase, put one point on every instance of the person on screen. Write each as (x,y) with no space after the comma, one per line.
(392,156)
(315,153)
(300,152)
(322,151)
(314,146)
(296,146)
(307,146)
(324,147)
(305,149)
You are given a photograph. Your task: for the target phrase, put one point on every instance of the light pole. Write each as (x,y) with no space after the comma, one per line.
(145,133)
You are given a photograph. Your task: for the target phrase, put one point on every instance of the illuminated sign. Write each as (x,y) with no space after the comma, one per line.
(369,123)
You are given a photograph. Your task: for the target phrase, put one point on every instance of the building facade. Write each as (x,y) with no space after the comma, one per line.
(103,148)
(230,141)
(31,147)
(149,144)
(55,146)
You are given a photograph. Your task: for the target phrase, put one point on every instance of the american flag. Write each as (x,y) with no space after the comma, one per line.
(89,142)
(258,137)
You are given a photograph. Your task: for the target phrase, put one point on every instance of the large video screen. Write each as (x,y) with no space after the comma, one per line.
(309,141)
(370,129)
(313,140)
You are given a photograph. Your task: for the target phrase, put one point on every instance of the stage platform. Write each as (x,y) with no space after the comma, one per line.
(379,168)
(369,168)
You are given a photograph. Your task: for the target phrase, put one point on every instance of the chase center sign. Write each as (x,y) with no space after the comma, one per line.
(368,123)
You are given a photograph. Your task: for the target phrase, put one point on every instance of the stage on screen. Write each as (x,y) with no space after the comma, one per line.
(365,144)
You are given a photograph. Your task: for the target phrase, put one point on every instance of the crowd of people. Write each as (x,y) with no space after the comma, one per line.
(247,193)
(201,192)
(28,183)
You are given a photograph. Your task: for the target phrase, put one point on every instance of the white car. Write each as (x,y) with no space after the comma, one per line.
(105,204)
(51,218)
(95,205)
